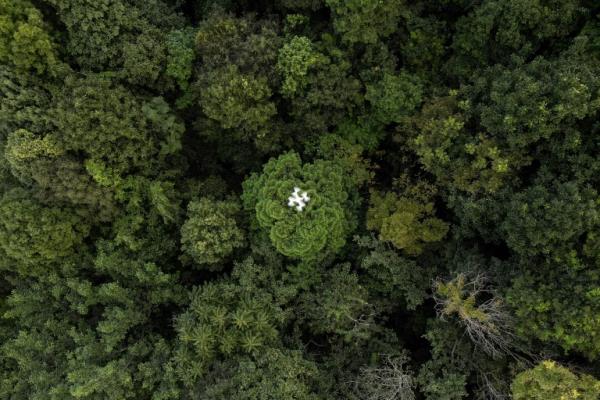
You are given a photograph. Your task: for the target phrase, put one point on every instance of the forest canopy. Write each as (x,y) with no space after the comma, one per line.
(299,200)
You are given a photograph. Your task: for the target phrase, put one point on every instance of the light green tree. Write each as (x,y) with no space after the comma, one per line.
(551,381)
(319,228)
(294,60)
(25,41)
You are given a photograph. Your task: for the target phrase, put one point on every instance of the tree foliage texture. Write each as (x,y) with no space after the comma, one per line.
(299,200)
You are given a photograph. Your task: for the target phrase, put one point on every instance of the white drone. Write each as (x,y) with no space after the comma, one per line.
(298,199)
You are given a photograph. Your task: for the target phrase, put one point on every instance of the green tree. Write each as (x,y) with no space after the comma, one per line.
(543,219)
(549,380)
(57,178)
(554,306)
(353,19)
(304,232)
(235,85)
(180,56)
(60,354)
(250,200)
(339,305)
(138,136)
(25,40)
(24,103)
(115,35)
(490,33)
(407,221)
(96,337)
(444,377)
(467,162)
(274,374)
(391,278)
(34,235)
(237,102)
(294,60)
(394,97)
(480,136)
(329,93)
(210,232)
(224,319)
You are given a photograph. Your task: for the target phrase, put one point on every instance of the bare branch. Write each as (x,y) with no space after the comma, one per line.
(488,324)
(389,381)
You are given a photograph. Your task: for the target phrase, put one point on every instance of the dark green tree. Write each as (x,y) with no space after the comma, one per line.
(353,19)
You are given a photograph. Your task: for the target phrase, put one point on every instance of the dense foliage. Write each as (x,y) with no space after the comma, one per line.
(299,199)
